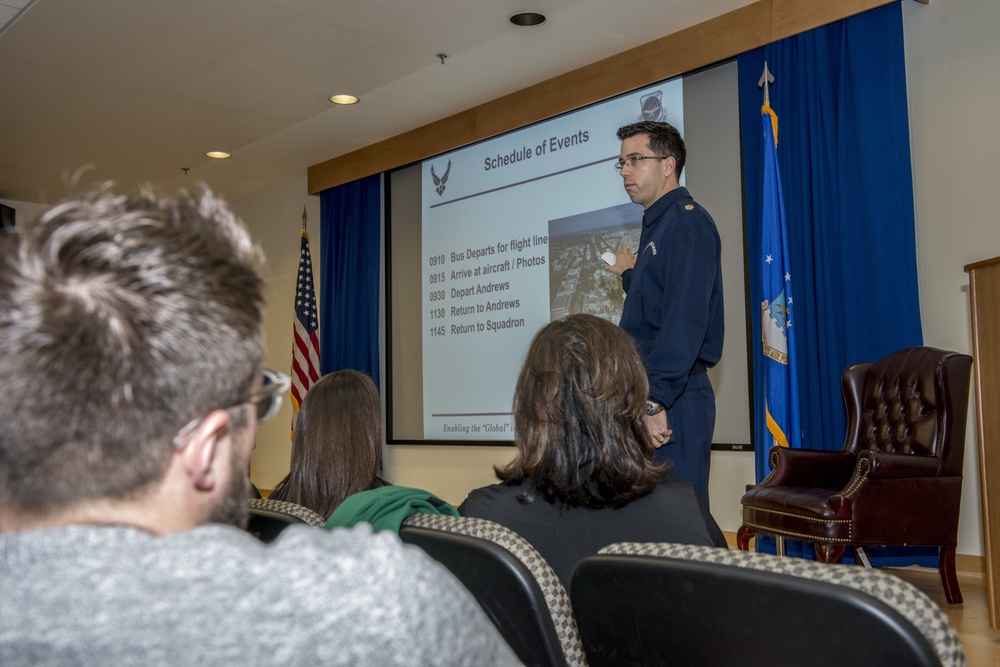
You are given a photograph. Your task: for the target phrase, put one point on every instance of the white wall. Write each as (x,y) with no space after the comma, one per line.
(952,57)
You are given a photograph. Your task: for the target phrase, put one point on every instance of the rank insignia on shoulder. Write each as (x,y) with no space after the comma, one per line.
(689,207)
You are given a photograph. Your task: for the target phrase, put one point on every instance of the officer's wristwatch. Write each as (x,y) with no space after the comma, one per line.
(653,408)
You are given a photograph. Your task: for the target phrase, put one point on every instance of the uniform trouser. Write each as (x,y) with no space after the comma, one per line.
(692,420)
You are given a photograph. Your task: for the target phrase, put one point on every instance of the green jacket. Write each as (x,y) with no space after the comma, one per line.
(386,508)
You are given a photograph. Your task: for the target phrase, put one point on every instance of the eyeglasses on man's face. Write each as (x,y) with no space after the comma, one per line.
(632,160)
(267,399)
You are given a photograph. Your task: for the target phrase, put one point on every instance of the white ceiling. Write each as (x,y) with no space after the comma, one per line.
(135,90)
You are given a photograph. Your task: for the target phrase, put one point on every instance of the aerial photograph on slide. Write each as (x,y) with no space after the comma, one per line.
(578,282)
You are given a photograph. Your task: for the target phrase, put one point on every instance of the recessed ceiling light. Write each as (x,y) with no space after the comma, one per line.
(344,99)
(527,18)
(218,155)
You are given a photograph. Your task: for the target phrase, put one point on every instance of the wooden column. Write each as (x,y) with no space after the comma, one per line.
(984,283)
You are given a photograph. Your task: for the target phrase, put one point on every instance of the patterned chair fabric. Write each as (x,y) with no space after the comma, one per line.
(304,514)
(899,596)
(554,595)
(269,517)
(898,478)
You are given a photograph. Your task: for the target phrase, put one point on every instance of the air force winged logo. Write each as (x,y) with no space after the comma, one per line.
(651,107)
(776,316)
(440,181)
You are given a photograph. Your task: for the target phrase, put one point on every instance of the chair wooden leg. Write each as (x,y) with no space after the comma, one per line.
(829,553)
(743,537)
(946,566)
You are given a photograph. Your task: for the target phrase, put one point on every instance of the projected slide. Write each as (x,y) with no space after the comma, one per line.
(512,232)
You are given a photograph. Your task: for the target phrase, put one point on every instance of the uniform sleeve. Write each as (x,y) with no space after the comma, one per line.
(691,264)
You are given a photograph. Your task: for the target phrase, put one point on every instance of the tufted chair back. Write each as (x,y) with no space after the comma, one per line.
(907,403)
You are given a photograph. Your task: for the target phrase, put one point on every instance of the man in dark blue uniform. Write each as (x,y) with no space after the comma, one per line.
(673,302)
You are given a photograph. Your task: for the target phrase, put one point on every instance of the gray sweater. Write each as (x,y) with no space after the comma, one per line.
(90,595)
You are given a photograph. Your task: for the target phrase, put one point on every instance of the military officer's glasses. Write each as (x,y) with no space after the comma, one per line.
(633,160)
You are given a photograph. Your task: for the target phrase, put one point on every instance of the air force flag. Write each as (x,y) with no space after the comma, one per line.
(781,387)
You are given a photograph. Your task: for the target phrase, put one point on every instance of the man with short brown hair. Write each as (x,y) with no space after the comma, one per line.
(131,347)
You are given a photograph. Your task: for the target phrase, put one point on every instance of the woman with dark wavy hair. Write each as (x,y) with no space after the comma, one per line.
(583,476)
(337,449)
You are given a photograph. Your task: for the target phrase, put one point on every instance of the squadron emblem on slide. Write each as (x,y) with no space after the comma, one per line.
(651,107)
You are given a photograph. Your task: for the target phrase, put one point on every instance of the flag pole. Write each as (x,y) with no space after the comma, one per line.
(766,79)
(304,218)
(781,406)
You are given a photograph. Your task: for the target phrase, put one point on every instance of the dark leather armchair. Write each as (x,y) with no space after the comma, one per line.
(898,480)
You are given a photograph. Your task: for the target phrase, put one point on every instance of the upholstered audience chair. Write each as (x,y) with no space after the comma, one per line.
(898,480)
(269,517)
(513,584)
(678,604)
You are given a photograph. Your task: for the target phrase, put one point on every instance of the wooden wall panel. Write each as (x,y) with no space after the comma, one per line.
(984,292)
(684,51)
(790,17)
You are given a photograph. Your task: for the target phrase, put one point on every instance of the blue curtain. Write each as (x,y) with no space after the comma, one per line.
(844,155)
(350,224)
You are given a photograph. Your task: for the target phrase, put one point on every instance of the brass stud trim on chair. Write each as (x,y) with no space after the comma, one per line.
(800,536)
(861,474)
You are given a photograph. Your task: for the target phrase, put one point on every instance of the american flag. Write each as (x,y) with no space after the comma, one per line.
(305,345)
